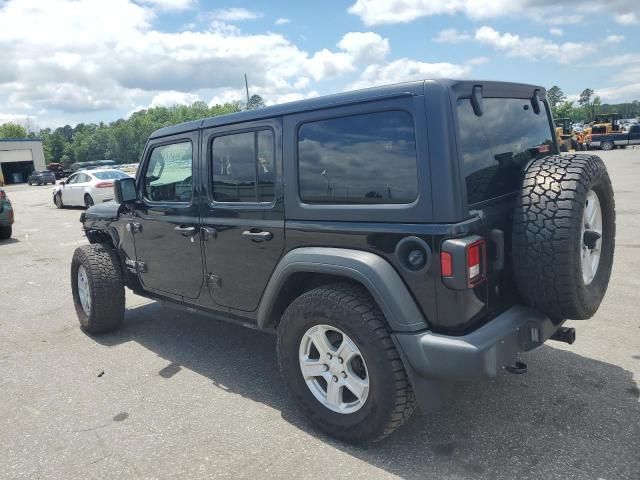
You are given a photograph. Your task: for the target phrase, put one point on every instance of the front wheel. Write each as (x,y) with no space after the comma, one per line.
(5,232)
(97,288)
(58,200)
(340,364)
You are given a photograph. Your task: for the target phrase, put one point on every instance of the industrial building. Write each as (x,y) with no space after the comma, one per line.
(18,158)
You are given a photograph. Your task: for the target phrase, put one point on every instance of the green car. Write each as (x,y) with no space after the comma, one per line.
(6,215)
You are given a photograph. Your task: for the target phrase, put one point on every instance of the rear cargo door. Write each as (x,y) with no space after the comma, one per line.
(493,149)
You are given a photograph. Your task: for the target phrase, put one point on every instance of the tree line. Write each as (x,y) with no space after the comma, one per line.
(122,140)
(588,106)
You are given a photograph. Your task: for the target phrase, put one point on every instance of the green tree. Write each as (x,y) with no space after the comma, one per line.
(255,101)
(555,95)
(585,97)
(565,110)
(12,130)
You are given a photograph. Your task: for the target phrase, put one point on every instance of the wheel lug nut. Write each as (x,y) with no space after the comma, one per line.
(329,356)
(335,379)
(344,374)
(326,367)
(340,360)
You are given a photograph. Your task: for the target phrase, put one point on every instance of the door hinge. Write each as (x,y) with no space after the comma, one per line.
(134,227)
(213,281)
(136,266)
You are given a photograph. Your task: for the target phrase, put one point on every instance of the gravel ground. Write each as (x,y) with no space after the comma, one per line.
(175,395)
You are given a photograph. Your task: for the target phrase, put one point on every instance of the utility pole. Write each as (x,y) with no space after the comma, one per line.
(246,86)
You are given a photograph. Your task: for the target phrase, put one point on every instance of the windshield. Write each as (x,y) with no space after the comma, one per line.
(109,175)
(493,148)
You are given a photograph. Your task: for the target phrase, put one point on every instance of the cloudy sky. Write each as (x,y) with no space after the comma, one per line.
(71,61)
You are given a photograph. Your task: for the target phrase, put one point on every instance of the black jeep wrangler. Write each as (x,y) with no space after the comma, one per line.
(395,239)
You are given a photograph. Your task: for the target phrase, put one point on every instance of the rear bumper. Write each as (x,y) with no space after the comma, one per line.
(480,354)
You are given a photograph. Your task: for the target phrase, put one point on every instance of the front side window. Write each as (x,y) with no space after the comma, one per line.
(243,167)
(358,159)
(169,174)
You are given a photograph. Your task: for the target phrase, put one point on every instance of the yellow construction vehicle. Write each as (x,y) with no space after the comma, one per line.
(563,133)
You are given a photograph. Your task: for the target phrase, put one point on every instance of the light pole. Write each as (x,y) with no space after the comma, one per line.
(326,177)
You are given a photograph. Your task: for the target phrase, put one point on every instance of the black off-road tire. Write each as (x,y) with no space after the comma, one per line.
(547,235)
(350,308)
(105,284)
(5,232)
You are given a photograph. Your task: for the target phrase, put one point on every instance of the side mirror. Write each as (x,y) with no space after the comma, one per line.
(62,182)
(125,190)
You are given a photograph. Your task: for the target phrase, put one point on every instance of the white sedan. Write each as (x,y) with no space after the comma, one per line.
(86,188)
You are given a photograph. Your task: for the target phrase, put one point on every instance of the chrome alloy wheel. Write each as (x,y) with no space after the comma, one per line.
(334,369)
(591,237)
(84,293)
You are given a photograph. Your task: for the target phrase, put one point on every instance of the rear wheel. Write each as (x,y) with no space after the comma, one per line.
(5,232)
(564,235)
(88,201)
(97,288)
(340,364)
(608,145)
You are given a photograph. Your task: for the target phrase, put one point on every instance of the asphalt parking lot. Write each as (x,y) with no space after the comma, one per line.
(174,395)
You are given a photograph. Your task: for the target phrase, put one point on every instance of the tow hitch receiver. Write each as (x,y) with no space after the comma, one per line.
(564,334)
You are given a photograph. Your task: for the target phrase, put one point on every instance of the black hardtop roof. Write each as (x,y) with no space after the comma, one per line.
(490,88)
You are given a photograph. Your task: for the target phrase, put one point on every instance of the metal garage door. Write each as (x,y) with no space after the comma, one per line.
(15,156)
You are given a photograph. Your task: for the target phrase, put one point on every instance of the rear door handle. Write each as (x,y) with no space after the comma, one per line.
(257,236)
(185,231)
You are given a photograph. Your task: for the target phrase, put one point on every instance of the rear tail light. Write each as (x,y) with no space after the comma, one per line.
(104,185)
(476,262)
(463,262)
(446,264)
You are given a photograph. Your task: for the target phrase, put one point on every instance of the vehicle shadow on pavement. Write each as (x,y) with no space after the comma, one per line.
(8,241)
(569,417)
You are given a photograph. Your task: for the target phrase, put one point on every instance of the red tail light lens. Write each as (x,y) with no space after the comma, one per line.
(476,263)
(104,185)
(446,264)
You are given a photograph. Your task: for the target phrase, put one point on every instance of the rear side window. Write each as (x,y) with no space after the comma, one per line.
(494,148)
(358,159)
(243,167)
(169,174)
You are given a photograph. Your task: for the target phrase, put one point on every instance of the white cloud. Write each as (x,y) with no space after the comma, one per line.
(173,97)
(364,46)
(630,18)
(614,38)
(282,21)
(451,35)
(228,95)
(379,12)
(618,94)
(169,4)
(556,32)
(478,61)
(235,14)
(91,56)
(406,69)
(619,60)
(533,48)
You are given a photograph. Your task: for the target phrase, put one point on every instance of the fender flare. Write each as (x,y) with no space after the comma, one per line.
(370,270)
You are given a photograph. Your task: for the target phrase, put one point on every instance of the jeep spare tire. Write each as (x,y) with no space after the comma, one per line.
(564,235)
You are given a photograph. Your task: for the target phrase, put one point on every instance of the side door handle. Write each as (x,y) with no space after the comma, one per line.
(185,231)
(257,236)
